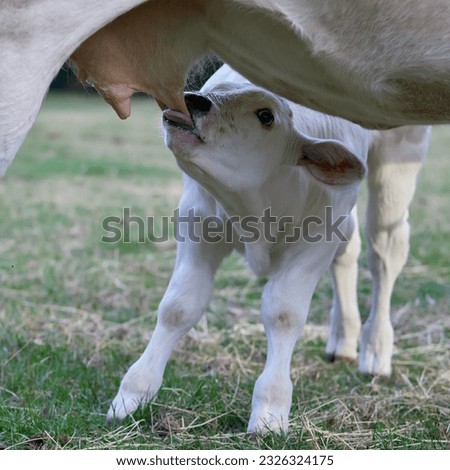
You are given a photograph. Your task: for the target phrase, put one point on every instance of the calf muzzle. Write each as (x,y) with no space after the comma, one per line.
(197,104)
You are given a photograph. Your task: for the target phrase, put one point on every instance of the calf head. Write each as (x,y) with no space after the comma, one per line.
(238,136)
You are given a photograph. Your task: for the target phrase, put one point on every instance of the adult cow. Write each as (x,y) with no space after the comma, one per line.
(381,63)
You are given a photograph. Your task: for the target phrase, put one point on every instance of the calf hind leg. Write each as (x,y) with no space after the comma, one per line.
(394,164)
(345,322)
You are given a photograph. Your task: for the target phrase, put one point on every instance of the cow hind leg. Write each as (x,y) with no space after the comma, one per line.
(393,168)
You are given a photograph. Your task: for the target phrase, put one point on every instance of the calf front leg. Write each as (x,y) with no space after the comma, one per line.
(393,168)
(182,306)
(285,304)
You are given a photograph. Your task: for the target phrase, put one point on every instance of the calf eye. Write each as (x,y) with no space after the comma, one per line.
(265,116)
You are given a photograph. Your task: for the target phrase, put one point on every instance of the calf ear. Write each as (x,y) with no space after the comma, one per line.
(331,163)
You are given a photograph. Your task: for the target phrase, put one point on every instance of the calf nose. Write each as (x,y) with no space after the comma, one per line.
(197,103)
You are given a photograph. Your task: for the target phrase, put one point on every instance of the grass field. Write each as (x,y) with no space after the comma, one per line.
(76,312)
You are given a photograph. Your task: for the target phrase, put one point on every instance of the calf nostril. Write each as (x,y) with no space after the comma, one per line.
(197,103)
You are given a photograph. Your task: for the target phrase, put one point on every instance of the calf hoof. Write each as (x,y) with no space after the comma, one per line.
(341,351)
(266,426)
(135,391)
(124,405)
(377,344)
(338,358)
(267,421)
(374,363)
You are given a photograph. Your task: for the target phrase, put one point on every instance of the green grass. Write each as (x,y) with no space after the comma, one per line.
(76,313)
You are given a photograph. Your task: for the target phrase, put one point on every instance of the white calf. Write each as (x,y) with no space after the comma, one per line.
(245,151)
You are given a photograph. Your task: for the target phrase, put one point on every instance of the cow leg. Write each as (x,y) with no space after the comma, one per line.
(394,164)
(34,45)
(182,306)
(345,322)
(285,304)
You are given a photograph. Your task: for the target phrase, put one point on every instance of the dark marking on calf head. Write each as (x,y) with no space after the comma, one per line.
(202,71)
